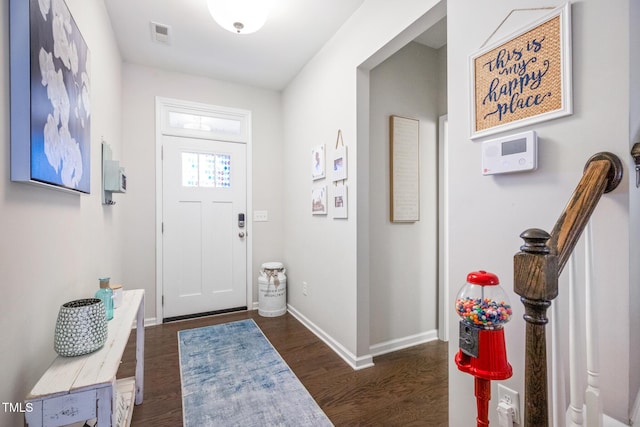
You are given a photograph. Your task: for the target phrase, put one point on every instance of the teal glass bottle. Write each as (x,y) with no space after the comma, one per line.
(106,295)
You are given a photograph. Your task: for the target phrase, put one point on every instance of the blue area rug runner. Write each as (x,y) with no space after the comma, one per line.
(232,376)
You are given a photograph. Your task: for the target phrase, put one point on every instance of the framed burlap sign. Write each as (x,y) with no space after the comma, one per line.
(524,78)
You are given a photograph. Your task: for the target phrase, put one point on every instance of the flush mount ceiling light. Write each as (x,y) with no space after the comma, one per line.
(239,16)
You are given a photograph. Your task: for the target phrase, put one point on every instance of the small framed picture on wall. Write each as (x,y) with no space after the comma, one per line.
(317,162)
(340,164)
(340,202)
(319,201)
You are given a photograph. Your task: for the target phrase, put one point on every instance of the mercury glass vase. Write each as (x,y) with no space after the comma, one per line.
(81,327)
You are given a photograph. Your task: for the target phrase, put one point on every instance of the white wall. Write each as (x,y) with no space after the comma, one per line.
(404,276)
(332,255)
(488,213)
(141,85)
(55,245)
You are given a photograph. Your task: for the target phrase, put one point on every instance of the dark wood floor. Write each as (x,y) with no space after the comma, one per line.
(404,388)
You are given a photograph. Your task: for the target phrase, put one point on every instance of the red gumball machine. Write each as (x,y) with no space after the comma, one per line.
(484,308)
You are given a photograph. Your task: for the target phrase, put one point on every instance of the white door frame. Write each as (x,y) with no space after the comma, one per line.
(163,106)
(443,230)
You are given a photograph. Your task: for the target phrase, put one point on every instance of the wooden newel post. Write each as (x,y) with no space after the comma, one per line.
(536,281)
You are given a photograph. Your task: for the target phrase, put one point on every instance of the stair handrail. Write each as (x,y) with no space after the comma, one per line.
(537,267)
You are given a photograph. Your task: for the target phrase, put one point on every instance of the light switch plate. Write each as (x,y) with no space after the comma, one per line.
(260,216)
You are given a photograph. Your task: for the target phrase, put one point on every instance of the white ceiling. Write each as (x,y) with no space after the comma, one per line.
(269,58)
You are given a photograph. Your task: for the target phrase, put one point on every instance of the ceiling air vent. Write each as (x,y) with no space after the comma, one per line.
(160,33)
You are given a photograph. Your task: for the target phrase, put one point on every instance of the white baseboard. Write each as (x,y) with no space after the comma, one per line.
(607,421)
(610,422)
(402,343)
(353,361)
(150,321)
(634,417)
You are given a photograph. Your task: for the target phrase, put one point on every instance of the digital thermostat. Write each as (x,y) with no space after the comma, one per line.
(513,153)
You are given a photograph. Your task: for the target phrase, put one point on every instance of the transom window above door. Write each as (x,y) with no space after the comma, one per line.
(216,125)
(196,121)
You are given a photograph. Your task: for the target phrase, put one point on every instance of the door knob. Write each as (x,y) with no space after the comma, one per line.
(241,234)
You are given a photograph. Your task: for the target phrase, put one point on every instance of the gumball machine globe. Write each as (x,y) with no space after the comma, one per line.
(485,306)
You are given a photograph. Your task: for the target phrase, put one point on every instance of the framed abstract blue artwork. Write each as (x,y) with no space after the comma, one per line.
(50,102)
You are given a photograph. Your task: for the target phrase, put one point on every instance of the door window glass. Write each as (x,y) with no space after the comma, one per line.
(206,170)
(223,170)
(190,169)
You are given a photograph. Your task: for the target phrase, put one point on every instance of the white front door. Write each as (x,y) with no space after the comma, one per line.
(204,255)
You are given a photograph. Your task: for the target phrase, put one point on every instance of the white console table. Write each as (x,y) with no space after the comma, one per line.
(76,389)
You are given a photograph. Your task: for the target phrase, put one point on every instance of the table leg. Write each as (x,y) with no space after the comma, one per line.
(105,401)
(140,353)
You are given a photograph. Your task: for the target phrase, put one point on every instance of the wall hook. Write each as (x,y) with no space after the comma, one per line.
(635,153)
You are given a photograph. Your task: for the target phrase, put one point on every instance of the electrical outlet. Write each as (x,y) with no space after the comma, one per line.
(511,398)
(305,289)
